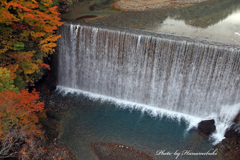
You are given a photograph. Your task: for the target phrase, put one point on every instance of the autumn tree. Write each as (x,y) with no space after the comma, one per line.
(19,109)
(20,134)
(27,35)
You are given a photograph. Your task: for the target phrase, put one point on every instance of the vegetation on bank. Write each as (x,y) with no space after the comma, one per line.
(27,38)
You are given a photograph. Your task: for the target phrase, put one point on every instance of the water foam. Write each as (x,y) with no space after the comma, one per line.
(192,121)
(155,74)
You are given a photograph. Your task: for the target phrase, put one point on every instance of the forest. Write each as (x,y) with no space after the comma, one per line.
(27,39)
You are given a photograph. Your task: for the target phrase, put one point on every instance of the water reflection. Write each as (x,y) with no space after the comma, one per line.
(206,14)
(215,20)
(225,30)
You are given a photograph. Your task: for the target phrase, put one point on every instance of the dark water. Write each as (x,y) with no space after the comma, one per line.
(89,121)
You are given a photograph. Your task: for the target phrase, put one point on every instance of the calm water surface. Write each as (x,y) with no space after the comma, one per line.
(217,20)
(89,121)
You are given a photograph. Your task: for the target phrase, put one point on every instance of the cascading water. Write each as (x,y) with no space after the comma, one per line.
(186,77)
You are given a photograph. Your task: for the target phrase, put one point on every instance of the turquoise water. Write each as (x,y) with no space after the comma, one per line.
(87,121)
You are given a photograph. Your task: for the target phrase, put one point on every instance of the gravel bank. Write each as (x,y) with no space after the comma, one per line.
(142,5)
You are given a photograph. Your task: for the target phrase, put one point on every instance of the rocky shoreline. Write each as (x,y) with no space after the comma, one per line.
(229,147)
(142,5)
(106,151)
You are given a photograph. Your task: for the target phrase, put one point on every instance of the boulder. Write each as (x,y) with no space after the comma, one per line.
(237,118)
(206,127)
(233,132)
(86,17)
(118,152)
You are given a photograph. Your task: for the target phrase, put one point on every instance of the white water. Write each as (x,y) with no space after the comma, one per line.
(180,77)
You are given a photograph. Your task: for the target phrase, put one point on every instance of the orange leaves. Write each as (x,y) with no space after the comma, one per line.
(7,15)
(38,34)
(19,108)
(54,10)
(47,45)
(32,23)
(50,38)
(28,102)
(31,4)
(49,28)
(29,16)
(23,152)
(47,3)
(48,48)
(17,5)
(13,69)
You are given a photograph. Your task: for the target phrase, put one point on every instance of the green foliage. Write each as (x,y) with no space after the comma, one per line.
(55,3)
(19,46)
(18,82)
(5,81)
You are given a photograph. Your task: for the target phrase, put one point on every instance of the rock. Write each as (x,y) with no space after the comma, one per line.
(237,118)
(230,146)
(113,151)
(233,132)
(86,17)
(206,127)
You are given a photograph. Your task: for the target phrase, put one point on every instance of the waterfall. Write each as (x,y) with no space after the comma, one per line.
(194,78)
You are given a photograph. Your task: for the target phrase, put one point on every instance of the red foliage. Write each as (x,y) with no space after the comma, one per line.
(44,65)
(19,109)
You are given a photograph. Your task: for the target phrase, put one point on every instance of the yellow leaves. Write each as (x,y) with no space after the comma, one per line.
(50,38)
(13,69)
(38,34)
(6,81)
(48,48)
(3,50)
(29,68)
(32,4)
(47,3)
(47,45)
(38,61)
(3,2)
